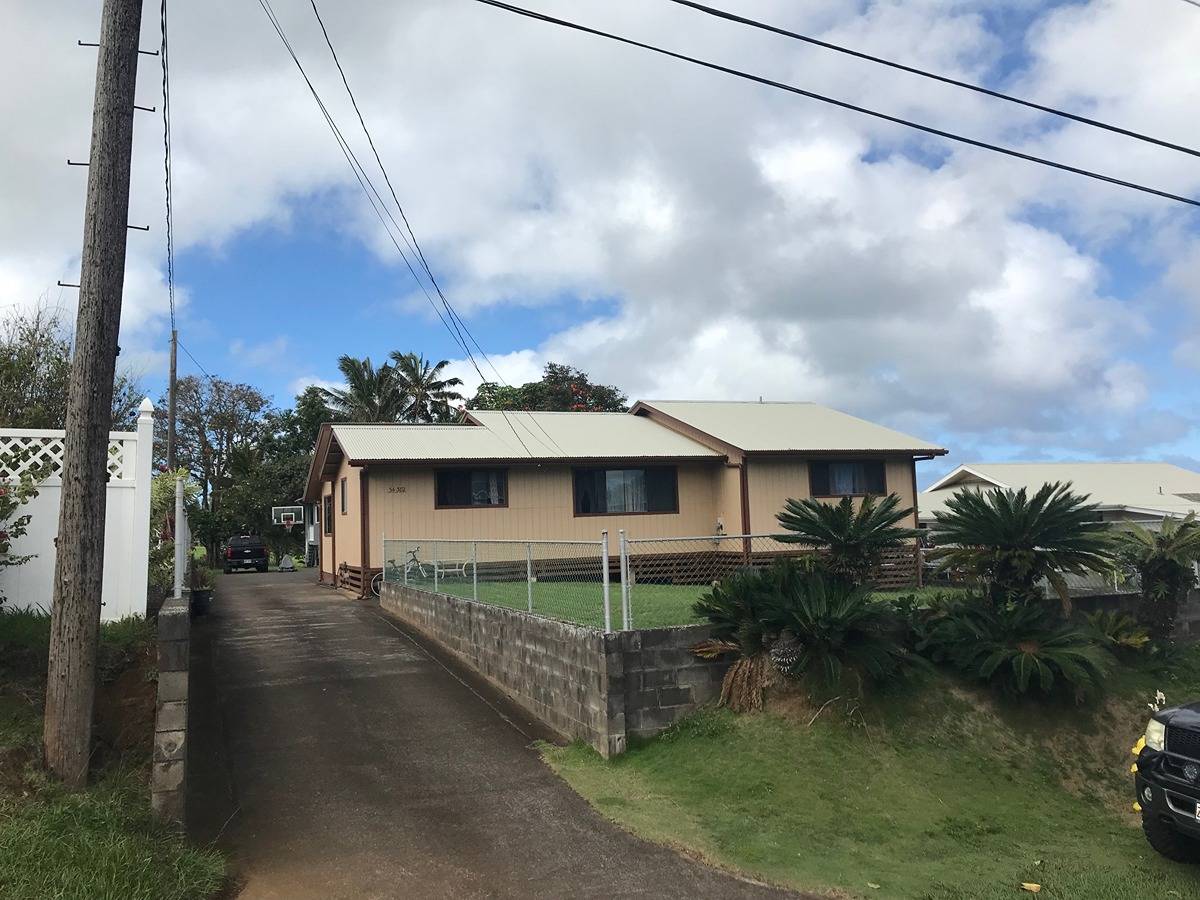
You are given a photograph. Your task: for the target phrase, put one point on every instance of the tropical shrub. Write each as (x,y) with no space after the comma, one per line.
(14,494)
(1163,559)
(1119,632)
(852,540)
(797,622)
(1011,541)
(1018,648)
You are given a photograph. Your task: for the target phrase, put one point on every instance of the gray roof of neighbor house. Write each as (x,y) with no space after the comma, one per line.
(1153,488)
(520,435)
(783,427)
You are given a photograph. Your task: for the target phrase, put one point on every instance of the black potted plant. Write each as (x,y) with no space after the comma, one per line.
(201,581)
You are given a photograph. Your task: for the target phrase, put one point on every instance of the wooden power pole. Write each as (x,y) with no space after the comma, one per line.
(171,383)
(79,567)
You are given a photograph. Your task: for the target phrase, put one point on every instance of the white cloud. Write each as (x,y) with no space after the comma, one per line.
(753,243)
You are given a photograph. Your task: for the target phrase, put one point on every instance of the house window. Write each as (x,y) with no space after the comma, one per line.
(611,491)
(846,478)
(328,498)
(459,488)
(345,509)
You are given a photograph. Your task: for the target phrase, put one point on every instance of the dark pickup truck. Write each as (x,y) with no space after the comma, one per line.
(1168,783)
(246,551)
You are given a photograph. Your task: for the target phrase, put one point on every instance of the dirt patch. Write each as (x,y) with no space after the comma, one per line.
(125,707)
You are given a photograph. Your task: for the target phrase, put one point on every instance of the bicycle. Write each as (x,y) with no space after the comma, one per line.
(412,565)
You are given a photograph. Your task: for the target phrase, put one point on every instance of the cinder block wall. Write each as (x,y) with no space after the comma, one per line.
(168,774)
(582,683)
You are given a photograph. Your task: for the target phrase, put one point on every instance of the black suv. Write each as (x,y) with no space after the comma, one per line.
(1168,783)
(246,551)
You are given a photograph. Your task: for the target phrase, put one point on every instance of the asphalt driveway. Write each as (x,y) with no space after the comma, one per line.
(333,757)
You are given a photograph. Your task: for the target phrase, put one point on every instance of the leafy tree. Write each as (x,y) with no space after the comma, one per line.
(35,363)
(1012,541)
(561,388)
(214,419)
(424,394)
(1164,559)
(853,540)
(370,394)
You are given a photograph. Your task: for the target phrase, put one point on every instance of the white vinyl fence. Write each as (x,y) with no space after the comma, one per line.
(126,526)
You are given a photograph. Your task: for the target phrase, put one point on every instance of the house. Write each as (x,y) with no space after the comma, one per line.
(1126,491)
(664,469)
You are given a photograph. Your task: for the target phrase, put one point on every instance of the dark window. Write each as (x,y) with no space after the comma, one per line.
(328,513)
(246,542)
(471,487)
(847,478)
(344,508)
(612,491)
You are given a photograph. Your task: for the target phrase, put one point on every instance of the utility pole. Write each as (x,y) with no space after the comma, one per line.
(79,566)
(171,403)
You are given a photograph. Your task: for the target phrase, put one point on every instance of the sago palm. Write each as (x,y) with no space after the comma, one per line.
(1164,560)
(370,394)
(1011,541)
(854,540)
(426,394)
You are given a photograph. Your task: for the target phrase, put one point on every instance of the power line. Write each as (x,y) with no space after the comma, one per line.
(1193,2)
(460,330)
(166,86)
(758,79)
(764,26)
(196,361)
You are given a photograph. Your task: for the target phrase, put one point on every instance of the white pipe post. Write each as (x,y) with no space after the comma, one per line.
(475,571)
(529,572)
(404,564)
(180,537)
(626,617)
(604,580)
(435,566)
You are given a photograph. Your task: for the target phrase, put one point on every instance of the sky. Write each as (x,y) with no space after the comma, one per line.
(674,231)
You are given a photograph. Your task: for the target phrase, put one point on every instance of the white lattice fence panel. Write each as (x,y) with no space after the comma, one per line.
(32,451)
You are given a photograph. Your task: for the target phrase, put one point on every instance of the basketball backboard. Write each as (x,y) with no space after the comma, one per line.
(287,515)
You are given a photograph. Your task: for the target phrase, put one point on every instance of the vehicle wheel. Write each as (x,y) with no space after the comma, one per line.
(1169,842)
(228,571)
(262,568)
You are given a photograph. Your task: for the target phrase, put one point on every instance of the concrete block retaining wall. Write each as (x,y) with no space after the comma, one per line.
(168,773)
(600,688)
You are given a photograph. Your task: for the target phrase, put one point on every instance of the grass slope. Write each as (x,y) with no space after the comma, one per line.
(102,842)
(932,793)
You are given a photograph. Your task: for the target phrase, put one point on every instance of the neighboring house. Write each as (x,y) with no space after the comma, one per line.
(1126,491)
(664,469)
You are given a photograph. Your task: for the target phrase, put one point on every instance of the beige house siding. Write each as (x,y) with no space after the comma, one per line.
(728,490)
(348,525)
(773,481)
(540,507)
(328,567)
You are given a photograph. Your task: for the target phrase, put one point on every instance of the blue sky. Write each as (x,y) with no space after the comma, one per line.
(675,232)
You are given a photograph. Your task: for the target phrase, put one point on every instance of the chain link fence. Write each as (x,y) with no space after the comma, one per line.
(565,580)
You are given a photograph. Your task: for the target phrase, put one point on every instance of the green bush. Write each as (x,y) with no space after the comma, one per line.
(1017,648)
(852,540)
(804,622)
(1118,631)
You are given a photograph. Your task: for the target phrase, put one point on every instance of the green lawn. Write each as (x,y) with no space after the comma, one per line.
(101,842)
(933,793)
(653,605)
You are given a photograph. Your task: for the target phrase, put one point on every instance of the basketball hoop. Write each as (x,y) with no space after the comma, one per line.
(288,521)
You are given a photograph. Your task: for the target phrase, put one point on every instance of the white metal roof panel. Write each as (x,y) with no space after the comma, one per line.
(520,435)
(783,427)
(1149,486)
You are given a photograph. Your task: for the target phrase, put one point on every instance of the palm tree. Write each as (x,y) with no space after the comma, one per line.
(853,540)
(425,394)
(1012,541)
(370,395)
(1164,560)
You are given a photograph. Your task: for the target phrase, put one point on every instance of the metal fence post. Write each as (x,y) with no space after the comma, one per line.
(626,613)
(404,564)
(474,571)
(604,579)
(529,572)
(435,566)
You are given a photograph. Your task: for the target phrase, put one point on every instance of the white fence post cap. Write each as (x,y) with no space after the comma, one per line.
(146,407)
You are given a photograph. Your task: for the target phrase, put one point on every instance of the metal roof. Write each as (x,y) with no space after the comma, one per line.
(782,427)
(1153,488)
(520,435)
